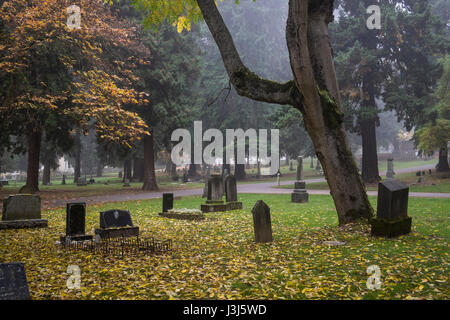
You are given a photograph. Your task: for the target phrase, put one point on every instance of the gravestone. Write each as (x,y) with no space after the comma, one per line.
(81,182)
(262,224)
(390,169)
(119,175)
(167,202)
(116,223)
(75,223)
(299,195)
(215,188)
(126,183)
(291,167)
(318,167)
(299,168)
(231,193)
(63,179)
(22,211)
(13,282)
(418,173)
(392,209)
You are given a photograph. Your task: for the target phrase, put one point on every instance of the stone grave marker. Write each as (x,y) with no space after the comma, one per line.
(392,210)
(215,188)
(231,195)
(116,223)
(299,168)
(75,223)
(22,211)
(13,282)
(167,202)
(390,169)
(261,222)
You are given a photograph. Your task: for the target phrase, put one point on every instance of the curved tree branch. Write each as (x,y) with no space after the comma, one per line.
(246,82)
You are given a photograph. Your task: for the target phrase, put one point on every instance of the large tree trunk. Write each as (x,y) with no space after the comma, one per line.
(77,167)
(314,92)
(370,173)
(149,165)
(46,173)
(99,168)
(34,149)
(138,170)
(315,77)
(442,165)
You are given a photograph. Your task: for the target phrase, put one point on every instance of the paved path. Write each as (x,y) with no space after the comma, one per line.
(263,188)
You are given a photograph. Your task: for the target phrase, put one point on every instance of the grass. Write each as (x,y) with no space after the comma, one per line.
(433,183)
(218,259)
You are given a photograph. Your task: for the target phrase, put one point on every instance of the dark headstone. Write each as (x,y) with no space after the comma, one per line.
(119,175)
(392,210)
(230,188)
(429,172)
(115,219)
(392,200)
(13,282)
(261,222)
(63,179)
(167,202)
(418,173)
(76,222)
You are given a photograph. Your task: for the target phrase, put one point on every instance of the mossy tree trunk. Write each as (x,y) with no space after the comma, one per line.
(149,165)
(314,91)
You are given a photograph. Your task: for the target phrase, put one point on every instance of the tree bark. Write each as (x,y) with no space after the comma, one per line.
(46,173)
(34,150)
(314,92)
(99,168)
(370,173)
(442,165)
(149,165)
(77,167)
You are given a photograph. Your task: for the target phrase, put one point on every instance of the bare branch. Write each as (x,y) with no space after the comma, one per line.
(245,82)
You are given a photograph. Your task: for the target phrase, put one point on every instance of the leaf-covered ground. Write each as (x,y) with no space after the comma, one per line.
(218,259)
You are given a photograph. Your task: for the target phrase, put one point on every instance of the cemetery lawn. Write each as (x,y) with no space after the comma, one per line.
(218,259)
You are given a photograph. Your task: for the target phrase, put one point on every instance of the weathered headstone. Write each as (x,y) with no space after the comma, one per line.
(299,168)
(291,167)
(318,167)
(167,202)
(13,282)
(261,222)
(116,223)
(215,188)
(22,211)
(230,188)
(126,183)
(81,182)
(392,210)
(390,169)
(76,223)
(299,195)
